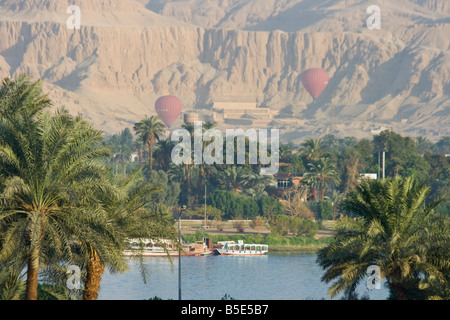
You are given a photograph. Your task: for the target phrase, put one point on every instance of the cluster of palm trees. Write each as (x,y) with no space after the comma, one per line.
(321,173)
(59,203)
(151,133)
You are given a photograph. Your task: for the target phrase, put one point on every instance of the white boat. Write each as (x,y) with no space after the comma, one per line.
(150,248)
(241,248)
(164,248)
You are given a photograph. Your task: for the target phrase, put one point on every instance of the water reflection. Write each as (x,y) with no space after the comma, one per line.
(269,277)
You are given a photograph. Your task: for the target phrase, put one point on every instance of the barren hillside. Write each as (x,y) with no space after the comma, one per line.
(129,52)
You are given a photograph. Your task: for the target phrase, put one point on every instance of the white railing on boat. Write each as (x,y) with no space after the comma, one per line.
(242,248)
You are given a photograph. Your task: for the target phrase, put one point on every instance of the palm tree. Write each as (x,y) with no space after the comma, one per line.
(12,286)
(324,173)
(203,169)
(138,147)
(122,147)
(392,231)
(150,130)
(235,177)
(312,149)
(120,215)
(163,153)
(41,158)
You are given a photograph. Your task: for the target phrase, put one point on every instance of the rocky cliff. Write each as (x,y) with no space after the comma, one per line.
(129,52)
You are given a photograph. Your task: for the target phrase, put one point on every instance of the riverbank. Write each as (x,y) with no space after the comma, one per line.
(194,230)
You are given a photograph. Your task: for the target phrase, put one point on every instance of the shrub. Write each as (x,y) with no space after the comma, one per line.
(280,225)
(305,227)
(257,222)
(219,225)
(239,225)
(285,225)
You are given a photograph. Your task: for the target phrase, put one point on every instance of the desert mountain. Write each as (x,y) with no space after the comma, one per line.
(129,52)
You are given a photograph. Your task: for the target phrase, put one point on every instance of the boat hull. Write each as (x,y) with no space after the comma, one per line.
(171,253)
(240,253)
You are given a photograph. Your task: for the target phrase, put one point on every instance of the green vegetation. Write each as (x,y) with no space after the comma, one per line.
(397,231)
(69,196)
(60,202)
(275,241)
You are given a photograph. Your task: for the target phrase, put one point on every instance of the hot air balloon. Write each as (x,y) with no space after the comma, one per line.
(315,80)
(168,108)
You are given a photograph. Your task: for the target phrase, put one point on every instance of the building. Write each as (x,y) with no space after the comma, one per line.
(285,180)
(243,113)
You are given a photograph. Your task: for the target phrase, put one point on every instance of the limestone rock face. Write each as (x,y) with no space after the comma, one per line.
(129,52)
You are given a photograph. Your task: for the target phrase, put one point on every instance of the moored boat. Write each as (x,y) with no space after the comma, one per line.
(164,248)
(241,248)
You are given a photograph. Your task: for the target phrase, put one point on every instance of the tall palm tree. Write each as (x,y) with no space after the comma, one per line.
(149,131)
(393,232)
(120,215)
(203,168)
(324,173)
(41,158)
(188,166)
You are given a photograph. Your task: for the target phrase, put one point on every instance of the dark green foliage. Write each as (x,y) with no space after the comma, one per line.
(233,205)
(269,207)
(323,209)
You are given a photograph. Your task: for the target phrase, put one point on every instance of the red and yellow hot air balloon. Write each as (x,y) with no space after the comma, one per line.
(315,80)
(168,108)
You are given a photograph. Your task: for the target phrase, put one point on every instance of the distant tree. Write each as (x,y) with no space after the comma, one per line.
(235,177)
(401,155)
(269,207)
(122,146)
(149,131)
(294,202)
(424,145)
(324,173)
(163,153)
(443,145)
(311,149)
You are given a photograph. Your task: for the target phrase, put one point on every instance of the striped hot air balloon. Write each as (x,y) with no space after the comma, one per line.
(168,108)
(315,80)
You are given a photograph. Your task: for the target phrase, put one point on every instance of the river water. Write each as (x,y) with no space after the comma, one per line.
(274,276)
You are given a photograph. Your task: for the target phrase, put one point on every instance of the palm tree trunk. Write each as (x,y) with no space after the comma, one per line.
(94,273)
(199,184)
(313,193)
(399,292)
(37,228)
(322,192)
(188,191)
(150,151)
(140,158)
(31,292)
